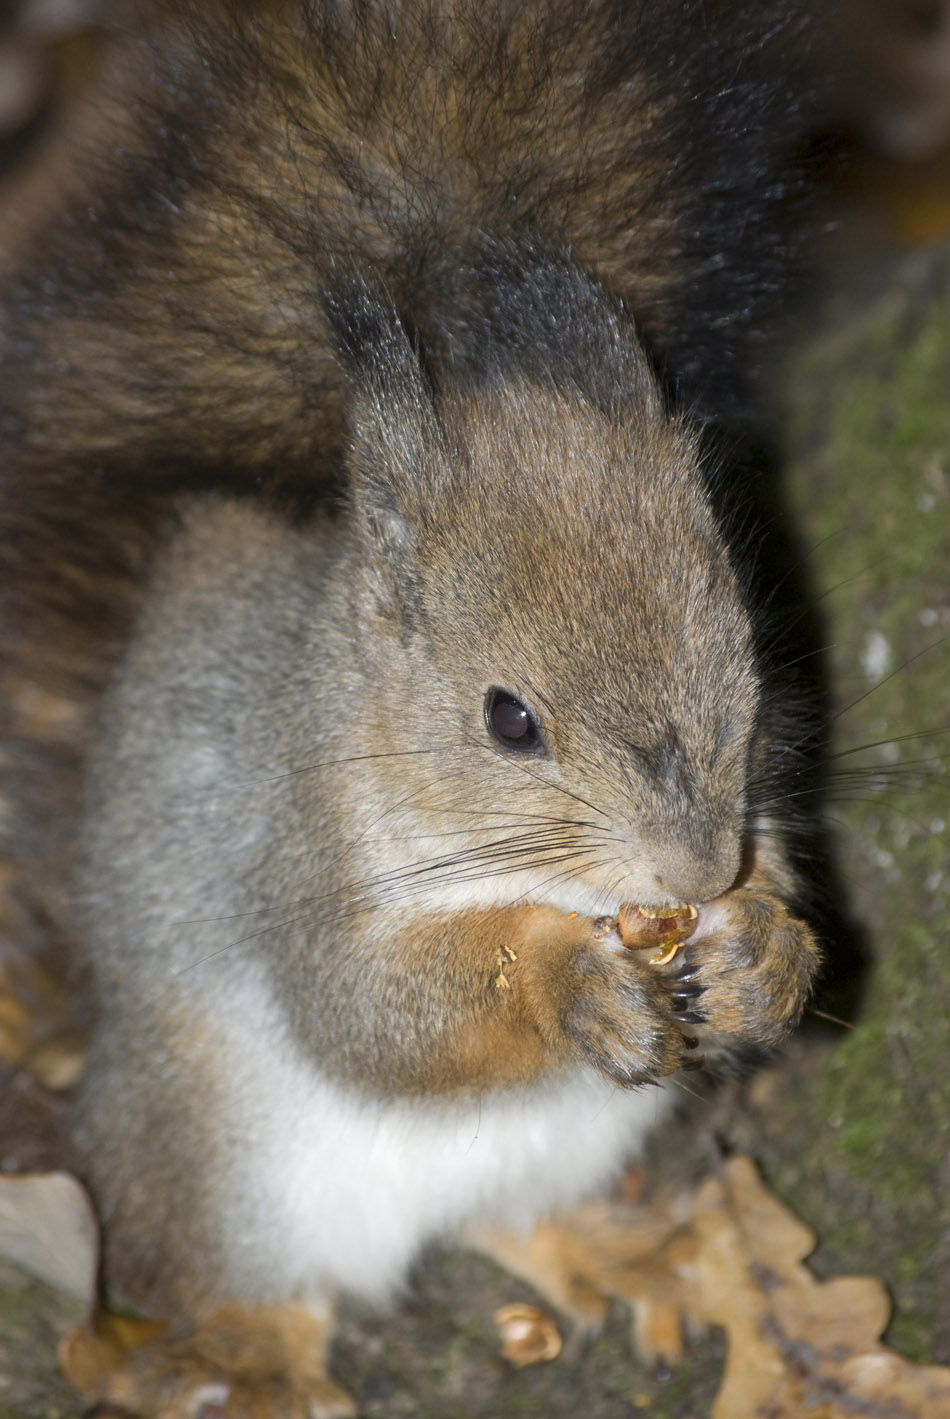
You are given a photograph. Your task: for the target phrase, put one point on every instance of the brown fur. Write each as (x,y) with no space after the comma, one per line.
(385,143)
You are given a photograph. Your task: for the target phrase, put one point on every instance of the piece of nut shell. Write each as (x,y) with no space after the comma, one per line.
(529,1334)
(643,927)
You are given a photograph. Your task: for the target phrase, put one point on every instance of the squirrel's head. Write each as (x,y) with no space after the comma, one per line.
(561,619)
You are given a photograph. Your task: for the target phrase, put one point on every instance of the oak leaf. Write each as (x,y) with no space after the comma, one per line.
(797,1345)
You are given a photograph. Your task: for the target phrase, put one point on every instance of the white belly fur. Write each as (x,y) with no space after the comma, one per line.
(332,1193)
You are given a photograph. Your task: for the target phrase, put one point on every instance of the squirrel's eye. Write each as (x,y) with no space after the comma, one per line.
(512,724)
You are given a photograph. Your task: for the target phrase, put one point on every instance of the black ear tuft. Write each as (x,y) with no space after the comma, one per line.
(395,461)
(359,319)
(392,399)
(371,342)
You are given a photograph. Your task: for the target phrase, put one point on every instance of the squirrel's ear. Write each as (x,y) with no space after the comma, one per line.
(395,438)
(395,460)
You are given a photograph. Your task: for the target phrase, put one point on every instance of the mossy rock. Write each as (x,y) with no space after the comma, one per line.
(869,434)
(32,1320)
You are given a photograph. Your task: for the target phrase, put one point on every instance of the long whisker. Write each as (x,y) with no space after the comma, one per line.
(486,859)
(899,670)
(540,840)
(891,739)
(240,941)
(466,865)
(577,798)
(329,764)
(832,1019)
(872,568)
(415,891)
(461,832)
(418,882)
(560,877)
(374,899)
(434,868)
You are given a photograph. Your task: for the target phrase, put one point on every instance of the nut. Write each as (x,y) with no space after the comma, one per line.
(529,1334)
(665,928)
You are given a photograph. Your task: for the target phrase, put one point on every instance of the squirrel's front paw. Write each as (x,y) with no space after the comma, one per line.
(603,1003)
(747,971)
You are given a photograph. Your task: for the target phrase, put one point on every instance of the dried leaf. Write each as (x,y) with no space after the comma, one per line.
(94,1355)
(16,1021)
(36,1029)
(47,1227)
(883,1382)
(58,1063)
(796,1345)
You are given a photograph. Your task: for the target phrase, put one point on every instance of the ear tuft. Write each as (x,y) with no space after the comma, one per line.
(390,390)
(370,338)
(396,461)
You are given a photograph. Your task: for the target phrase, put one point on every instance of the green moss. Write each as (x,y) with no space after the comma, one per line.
(32,1319)
(874,491)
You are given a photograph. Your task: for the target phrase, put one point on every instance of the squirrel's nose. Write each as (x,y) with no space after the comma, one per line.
(690,873)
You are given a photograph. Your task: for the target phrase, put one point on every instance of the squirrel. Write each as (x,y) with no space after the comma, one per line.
(374,631)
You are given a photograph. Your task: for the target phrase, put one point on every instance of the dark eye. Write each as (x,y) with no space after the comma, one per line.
(512,724)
